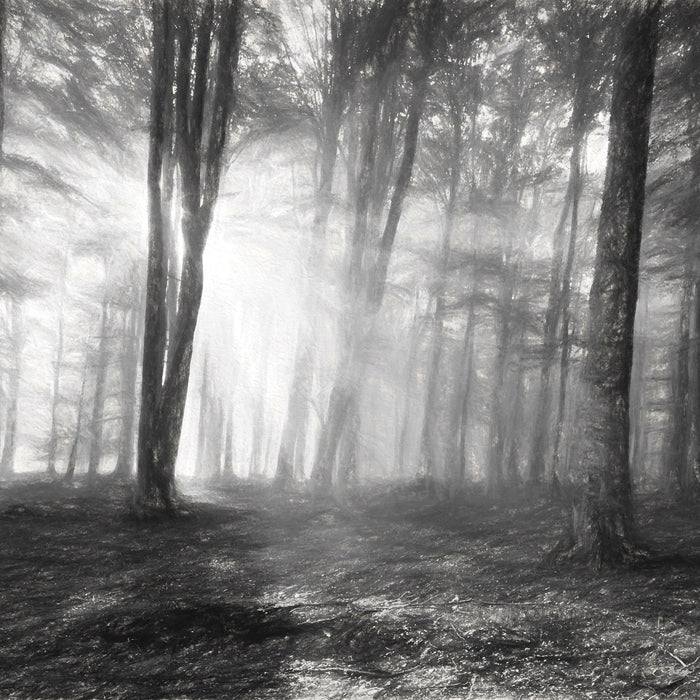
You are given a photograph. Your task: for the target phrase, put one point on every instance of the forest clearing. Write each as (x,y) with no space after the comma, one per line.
(250,593)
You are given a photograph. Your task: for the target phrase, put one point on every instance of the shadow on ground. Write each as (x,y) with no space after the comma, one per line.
(259,594)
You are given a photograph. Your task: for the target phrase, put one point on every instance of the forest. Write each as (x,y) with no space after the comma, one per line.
(350,348)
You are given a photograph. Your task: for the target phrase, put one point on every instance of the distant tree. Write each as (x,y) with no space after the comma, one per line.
(98,399)
(132,311)
(16,335)
(574,36)
(352,35)
(602,519)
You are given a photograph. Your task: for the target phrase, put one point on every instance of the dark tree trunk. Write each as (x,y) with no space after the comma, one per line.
(156,312)
(208,38)
(602,522)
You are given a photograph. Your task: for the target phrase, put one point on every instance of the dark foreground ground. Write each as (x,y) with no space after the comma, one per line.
(251,594)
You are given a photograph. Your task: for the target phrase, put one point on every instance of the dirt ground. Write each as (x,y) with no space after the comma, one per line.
(254,594)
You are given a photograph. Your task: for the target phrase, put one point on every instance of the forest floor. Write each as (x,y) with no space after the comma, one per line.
(250,593)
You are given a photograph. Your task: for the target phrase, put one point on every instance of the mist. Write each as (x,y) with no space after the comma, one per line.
(411,271)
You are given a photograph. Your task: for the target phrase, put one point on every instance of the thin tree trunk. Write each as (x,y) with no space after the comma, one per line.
(414,344)
(679,464)
(565,304)
(428,437)
(98,403)
(204,420)
(467,383)
(344,391)
(228,449)
(73,455)
(291,457)
(129,374)
(558,280)
(56,397)
(7,460)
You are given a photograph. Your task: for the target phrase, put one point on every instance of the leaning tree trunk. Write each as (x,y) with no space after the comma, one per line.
(602,522)
(373,286)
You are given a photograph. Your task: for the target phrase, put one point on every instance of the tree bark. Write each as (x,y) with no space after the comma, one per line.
(208,38)
(156,313)
(602,520)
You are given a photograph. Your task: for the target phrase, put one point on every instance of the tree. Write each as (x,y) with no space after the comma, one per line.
(194,62)
(602,520)
(583,26)
(355,35)
(16,337)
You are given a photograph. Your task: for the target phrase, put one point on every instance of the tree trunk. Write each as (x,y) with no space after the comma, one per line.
(208,40)
(156,312)
(98,403)
(7,460)
(129,374)
(536,466)
(204,419)
(56,398)
(565,304)
(344,391)
(228,449)
(290,460)
(602,519)
(414,343)
(679,463)
(428,438)
(73,456)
